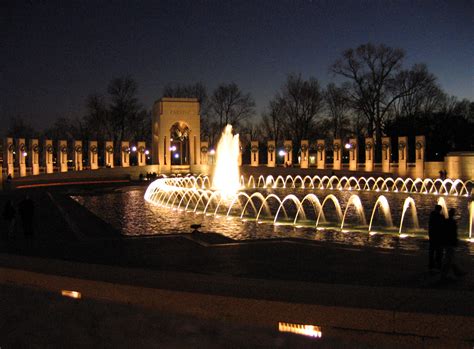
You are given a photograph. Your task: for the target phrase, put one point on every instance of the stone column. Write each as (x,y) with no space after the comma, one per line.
(195,151)
(271,157)
(125,154)
(386,154)
(62,155)
(34,157)
(304,162)
(204,152)
(94,155)
(288,145)
(337,154)
(48,156)
(21,155)
(8,158)
(402,156)
(353,154)
(109,154)
(369,154)
(239,160)
(78,155)
(320,154)
(141,156)
(254,153)
(420,145)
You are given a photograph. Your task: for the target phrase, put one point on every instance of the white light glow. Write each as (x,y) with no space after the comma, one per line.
(226,177)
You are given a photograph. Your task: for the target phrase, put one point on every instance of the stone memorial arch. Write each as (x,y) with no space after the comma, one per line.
(176,134)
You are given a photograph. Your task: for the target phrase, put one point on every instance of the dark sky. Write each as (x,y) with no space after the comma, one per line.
(53,54)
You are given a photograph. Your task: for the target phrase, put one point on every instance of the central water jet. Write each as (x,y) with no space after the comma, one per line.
(226,178)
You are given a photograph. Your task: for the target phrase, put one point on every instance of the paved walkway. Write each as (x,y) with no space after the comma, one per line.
(374,290)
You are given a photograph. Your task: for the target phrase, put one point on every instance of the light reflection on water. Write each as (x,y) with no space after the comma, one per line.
(128,212)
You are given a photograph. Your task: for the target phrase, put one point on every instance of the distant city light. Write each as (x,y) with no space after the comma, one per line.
(281,153)
(147,152)
(176,156)
(212,151)
(347,146)
(25,153)
(134,148)
(173,148)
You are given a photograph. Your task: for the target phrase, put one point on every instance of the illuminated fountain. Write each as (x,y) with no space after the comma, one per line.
(226,177)
(322,202)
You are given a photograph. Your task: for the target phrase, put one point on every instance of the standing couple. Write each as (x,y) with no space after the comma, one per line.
(443,235)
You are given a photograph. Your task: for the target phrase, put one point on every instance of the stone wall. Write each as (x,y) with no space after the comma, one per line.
(460,165)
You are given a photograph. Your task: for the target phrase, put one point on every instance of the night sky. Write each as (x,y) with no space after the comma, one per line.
(54,54)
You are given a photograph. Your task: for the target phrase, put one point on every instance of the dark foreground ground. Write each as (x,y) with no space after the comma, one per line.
(204,290)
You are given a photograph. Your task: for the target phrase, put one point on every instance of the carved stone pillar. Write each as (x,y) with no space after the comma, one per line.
(141,155)
(369,154)
(62,156)
(386,154)
(402,156)
(93,155)
(34,157)
(254,153)
(48,156)
(304,162)
(78,155)
(8,158)
(337,154)
(109,154)
(239,159)
(21,155)
(321,154)
(420,145)
(288,146)
(353,154)
(271,157)
(204,152)
(125,154)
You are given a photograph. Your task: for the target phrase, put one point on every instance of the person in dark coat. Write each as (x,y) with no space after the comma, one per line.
(26,209)
(9,217)
(450,242)
(435,229)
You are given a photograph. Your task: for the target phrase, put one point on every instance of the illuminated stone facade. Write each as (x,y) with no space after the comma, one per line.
(176,129)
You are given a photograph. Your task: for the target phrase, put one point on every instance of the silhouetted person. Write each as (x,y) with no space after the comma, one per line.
(9,217)
(450,242)
(26,209)
(435,229)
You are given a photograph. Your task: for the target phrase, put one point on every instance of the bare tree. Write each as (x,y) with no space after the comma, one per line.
(338,107)
(372,70)
(272,123)
(124,108)
(229,105)
(20,128)
(417,91)
(97,119)
(301,102)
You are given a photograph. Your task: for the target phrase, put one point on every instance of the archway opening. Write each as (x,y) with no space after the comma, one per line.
(179,144)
